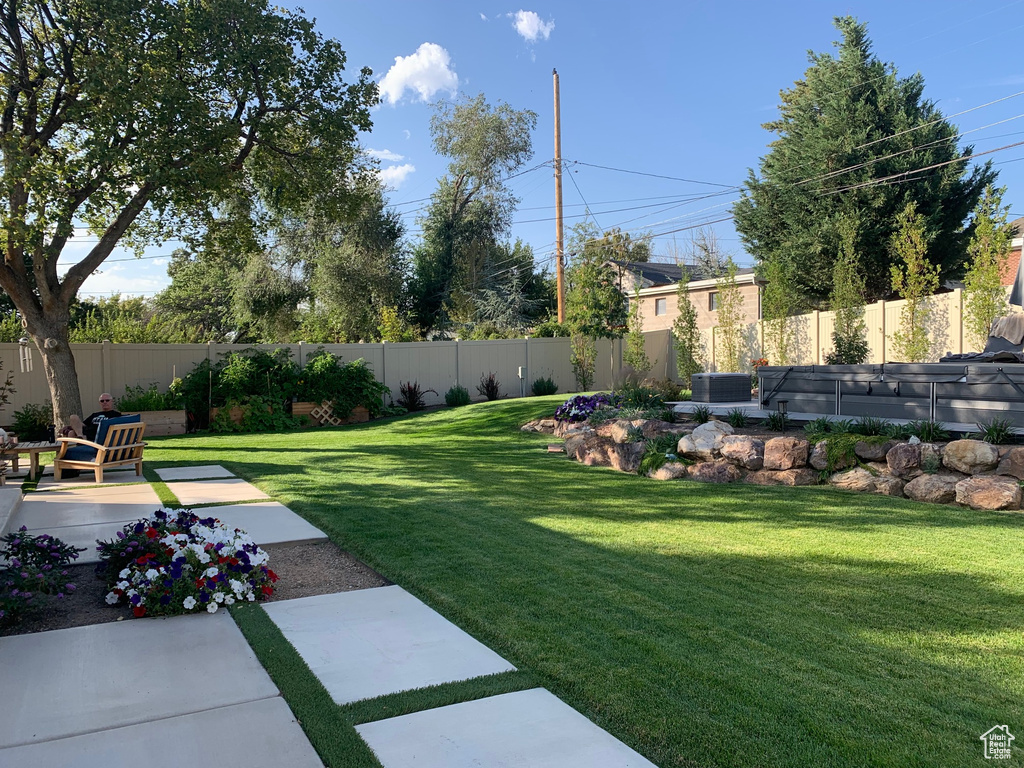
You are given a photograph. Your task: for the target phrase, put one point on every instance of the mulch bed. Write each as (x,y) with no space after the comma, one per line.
(305,569)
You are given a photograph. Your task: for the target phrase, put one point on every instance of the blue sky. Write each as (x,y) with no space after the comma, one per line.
(673,89)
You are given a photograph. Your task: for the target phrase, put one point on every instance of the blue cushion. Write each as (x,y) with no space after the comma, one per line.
(101,429)
(80,453)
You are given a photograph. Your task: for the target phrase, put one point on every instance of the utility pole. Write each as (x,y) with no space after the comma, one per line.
(560,270)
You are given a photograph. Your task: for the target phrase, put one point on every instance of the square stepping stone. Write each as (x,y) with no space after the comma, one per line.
(70,682)
(371,642)
(268,522)
(193,473)
(86,506)
(47,482)
(207,491)
(513,730)
(262,734)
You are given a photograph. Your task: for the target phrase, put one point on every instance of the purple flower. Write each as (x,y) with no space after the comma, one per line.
(120,534)
(136,599)
(70,587)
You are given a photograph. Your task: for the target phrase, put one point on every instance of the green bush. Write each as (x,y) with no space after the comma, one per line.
(258,415)
(33,421)
(346,385)
(633,395)
(701,414)
(996,431)
(545,385)
(152,399)
(457,396)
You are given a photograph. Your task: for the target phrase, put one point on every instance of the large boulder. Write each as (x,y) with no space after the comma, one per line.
(989,492)
(705,441)
(748,452)
(971,457)
(595,450)
(937,489)
(819,458)
(566,428)
(540,425)
(786,453)
(904,460)
(857,479)
(653,428)
(715,472)
(671,470)
(887,485)
(1011,463)
(872,451)
(619,429)
(791,477)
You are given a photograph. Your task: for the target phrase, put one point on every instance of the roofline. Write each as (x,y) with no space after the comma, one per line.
(712,282)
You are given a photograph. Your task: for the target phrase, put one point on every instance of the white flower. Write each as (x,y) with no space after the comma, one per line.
(211,572)
(124,574)
(152,574)
(236,586)
(251,597)
(111,598)
(189,603)
(122,585)
(219,597)
(211,608)
(204,558)
(229,600)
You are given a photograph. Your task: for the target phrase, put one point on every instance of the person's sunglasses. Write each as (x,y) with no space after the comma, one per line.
(107,400)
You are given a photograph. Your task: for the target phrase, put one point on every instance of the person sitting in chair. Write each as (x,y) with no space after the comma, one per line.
(87,428)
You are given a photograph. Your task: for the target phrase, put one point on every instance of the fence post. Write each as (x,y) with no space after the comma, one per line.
(885,338)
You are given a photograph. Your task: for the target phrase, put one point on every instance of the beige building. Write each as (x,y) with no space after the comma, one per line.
(658,284)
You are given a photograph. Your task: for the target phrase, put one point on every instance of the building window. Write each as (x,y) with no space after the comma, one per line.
(712,301)
(660,306)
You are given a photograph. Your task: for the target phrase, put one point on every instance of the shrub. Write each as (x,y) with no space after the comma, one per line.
(630,394)
(33,422)
(346,385)
(777,422)
(489,386)
(870,426)
(928,431)
(818,426)
(583,356)
(410,396)
(737,418)
(996,431)
(456,396)
(580,407)
(177,562)
(896,431)
(152,399)
(669,390)
(659,451)
(258,415)
(701,414)
(33,566)
(545,385)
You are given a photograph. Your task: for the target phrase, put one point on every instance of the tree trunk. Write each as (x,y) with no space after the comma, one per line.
(51,339)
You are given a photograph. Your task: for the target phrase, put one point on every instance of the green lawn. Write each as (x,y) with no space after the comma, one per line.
(702,625)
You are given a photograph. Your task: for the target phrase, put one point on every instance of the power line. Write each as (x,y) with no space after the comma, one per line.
(652,175)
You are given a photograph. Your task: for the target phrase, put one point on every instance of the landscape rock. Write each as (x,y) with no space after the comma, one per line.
(819,457)
(989,492)
(704,441)
(566,428)
(791,477)
(858,479)
(879,468)
(970,456)
(618,429)
(904,460)
(1011,463)
(872,451)
(931,456)
(786,453)
(672,470)
(574,443)
(540,425)
(653,428)
(715,472)
(747,452)
(596,450)
(937,489)
(887,485)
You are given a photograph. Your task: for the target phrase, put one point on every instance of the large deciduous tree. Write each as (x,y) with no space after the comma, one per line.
(471,211)
(136,118)
(855,142)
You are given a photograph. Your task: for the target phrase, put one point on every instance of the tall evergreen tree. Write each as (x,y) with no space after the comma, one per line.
(729,341)
(690,354)
(853,138)
(915,279)
(635,353)
(778,303)
(849,335)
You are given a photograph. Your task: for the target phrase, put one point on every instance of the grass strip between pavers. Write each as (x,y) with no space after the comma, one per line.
(332,735)
(406,702)
(160,488)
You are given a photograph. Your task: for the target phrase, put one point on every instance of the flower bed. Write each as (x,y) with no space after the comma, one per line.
(177,562)
(32,566)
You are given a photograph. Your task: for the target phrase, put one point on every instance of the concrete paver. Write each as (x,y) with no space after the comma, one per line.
(372,642)
(514,730)
(267,522)
(206,491)
(193,473)
(257,734)
(75,681)
(88,480)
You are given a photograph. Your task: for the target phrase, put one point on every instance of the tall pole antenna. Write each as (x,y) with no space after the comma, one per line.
(559,253)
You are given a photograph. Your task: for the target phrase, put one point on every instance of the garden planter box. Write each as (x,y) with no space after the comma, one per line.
(236,414)
(163,422)
(320,416)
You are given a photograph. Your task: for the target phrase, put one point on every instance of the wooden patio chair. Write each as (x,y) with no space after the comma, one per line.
(118,443)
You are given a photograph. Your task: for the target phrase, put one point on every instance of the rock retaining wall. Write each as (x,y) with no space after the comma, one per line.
(968,472)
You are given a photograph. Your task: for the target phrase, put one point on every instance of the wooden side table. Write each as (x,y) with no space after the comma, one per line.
(33,450)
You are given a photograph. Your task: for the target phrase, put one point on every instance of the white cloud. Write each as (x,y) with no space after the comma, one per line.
(385,154)
(408,134)
(531,27)
(394,175)
(483,17)
(425,72)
